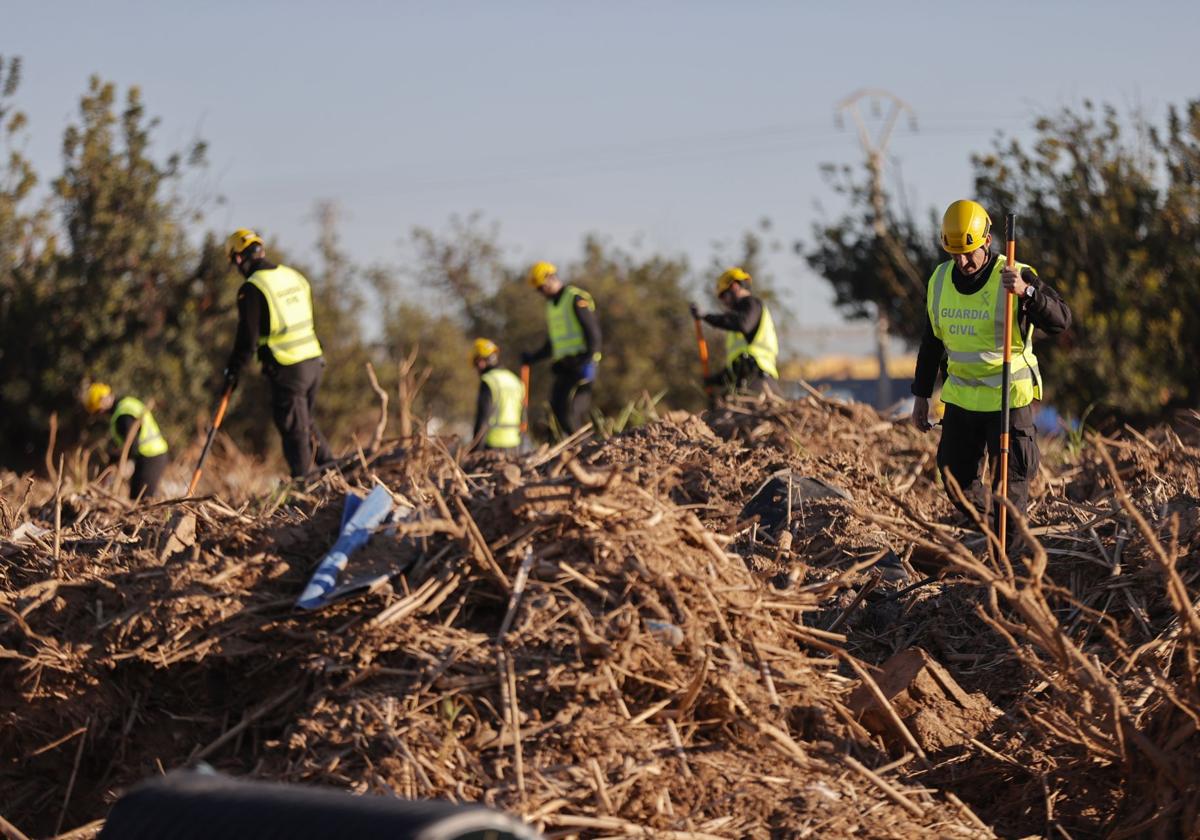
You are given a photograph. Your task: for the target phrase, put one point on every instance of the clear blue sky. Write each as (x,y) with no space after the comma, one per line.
(674,123)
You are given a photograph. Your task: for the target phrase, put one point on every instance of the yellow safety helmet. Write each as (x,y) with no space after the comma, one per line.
(483,348)
(240,240)
(541,272)
(965,227)
(94,396)
(729,277)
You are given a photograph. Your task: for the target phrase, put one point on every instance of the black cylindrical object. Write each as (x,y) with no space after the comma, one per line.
(188,805)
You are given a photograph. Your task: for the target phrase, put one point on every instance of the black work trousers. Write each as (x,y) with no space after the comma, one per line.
(745,377)
(293,406)
(968,435)
(147,473)
(571,402)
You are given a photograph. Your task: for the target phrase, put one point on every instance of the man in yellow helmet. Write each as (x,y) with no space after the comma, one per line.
(149,450)
(751,344)
(501,401)
(275,318)
(964,330)
(572,342)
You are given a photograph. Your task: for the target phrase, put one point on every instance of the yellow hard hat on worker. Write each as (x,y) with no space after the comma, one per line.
(540,273)
(483,348)
(729,277)
(93,397)
(240,240)
(965,227)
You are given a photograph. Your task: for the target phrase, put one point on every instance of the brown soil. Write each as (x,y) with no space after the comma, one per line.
(164,635)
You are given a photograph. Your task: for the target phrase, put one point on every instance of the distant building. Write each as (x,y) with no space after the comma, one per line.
(856,379)
(850,378)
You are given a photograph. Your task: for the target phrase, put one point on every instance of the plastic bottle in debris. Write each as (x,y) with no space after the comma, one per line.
(666,632)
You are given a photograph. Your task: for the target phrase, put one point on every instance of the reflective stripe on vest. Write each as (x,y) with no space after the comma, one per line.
(971,327)
(289,302)
(764,349)
(150,441)
(508,398)
(566,333)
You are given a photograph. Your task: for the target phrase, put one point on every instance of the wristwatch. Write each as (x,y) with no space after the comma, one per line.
(1029,290)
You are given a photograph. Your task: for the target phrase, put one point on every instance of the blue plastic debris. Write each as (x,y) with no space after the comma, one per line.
(360,518)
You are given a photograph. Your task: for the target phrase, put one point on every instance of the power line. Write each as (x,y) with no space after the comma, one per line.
(889,108)
(642,156)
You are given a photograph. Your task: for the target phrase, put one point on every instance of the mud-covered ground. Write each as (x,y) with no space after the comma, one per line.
(670,668)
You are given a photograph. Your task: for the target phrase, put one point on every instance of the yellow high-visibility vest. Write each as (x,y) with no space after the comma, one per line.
(292,338)
(508,403)
(150,440)
(566,333)
(764,348)
(972,328)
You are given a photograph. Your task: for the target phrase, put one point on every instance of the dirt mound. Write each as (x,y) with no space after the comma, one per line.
(596,639)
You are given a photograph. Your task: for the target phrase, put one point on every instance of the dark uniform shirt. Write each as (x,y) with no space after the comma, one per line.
(1046,311)
(254,321)
(125,426)
(483,405)
(587,320)
(743,318)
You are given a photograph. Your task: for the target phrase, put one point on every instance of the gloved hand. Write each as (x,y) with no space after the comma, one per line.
(528,358)
(587,370)
(231,380)
(695,310)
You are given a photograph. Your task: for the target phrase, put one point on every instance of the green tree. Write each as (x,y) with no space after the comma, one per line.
(344,404)
(747,252)
(467,290)
(110,301)
(1090,205)
(870,270)
(125,298)
(648,344)
(123,284)
(1108,213)
(26,253)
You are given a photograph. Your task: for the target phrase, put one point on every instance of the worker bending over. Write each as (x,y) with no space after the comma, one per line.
(500,405)
(964,328)
(751,345)
(149,450)
(572,342)
(275,317)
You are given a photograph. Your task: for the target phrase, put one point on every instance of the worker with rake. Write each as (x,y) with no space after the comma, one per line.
(572,343)
(969,301)
(500,405)
(150,448)
(751,344)
(275,317)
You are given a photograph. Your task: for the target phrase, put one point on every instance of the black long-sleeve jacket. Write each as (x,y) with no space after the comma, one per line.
(483,405)
(743,318)
(125,426)
(254,320)
(1046,311)
(591,335)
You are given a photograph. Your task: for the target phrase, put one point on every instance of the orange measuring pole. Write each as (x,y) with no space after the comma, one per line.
(212,432)
(1010,256)
(702,346)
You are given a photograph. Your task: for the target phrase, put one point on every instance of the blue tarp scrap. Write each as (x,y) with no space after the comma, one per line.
(360,518)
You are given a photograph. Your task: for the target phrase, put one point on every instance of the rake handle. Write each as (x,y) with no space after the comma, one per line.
(701,346)
(1010,256)
(212,433)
